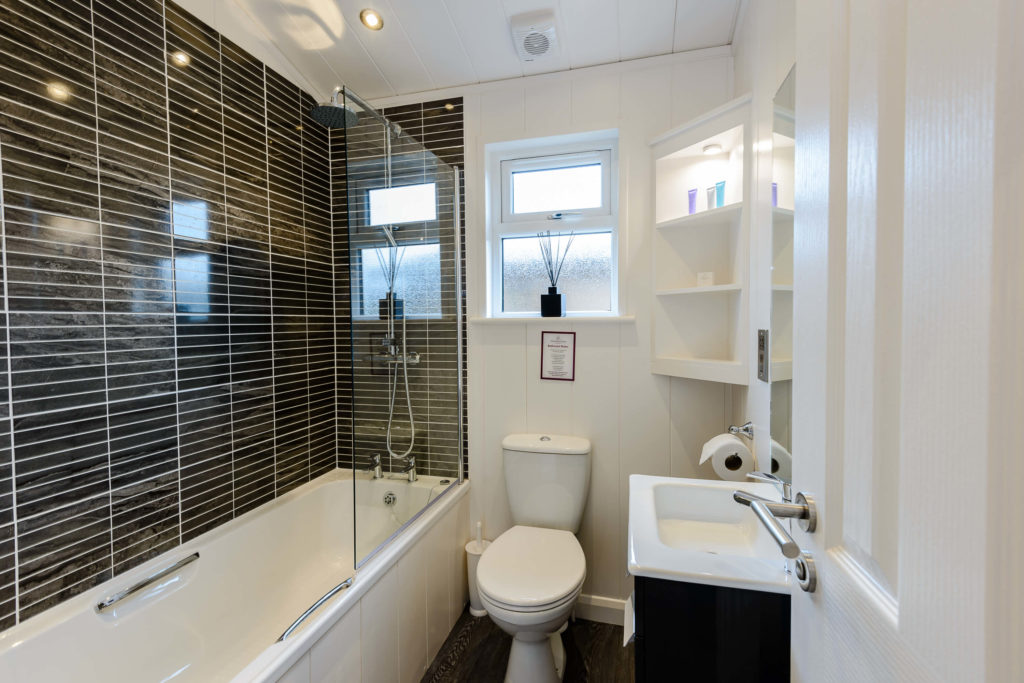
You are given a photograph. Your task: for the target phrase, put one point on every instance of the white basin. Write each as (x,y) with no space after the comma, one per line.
(692,530)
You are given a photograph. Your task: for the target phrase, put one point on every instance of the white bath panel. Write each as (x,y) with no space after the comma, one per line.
(439,581)
(299,673)
(379,619)
(335,657)
(462,535)
(412,613)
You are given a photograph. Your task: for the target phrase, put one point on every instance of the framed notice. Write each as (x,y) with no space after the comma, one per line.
(558,356)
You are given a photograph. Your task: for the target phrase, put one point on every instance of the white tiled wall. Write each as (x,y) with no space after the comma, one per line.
(396,629)
(638,422)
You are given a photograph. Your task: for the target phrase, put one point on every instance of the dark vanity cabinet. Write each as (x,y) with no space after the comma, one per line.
(693,632)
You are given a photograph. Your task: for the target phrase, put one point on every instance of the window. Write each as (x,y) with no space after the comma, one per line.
(566,187)
(417,282)
(403,204)
(414,265)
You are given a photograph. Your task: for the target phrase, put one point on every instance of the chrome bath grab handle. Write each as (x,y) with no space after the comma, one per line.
(109,601)
(315,606)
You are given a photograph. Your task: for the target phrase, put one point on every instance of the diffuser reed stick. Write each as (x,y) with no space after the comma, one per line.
(553,254)
(390,264)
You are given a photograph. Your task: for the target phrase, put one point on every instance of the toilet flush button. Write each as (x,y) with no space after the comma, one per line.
(545,438)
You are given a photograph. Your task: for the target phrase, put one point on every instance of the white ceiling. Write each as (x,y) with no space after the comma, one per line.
(431,44)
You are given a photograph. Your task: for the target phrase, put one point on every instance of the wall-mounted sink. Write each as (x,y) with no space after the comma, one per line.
(692,530)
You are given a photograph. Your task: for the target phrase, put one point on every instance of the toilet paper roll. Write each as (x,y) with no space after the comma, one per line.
(729,456)
(782,460)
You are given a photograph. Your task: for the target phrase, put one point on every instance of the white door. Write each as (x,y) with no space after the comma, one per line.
(909,339)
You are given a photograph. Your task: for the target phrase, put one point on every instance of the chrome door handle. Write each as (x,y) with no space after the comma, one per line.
(786,543)
(803,510)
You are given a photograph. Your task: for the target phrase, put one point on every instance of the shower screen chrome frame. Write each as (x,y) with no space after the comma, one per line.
(393,129)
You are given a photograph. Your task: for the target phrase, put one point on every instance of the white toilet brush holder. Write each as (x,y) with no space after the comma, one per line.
(474,549)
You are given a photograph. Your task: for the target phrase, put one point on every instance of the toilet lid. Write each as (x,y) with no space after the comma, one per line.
(531,567)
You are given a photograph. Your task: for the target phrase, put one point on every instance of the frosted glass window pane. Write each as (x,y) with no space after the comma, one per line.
(573,187)
(586,279)
(418,282)
(403,204)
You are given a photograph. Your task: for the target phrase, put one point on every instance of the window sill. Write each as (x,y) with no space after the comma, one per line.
(569,319)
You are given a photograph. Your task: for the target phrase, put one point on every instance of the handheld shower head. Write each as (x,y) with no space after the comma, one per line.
(334,115)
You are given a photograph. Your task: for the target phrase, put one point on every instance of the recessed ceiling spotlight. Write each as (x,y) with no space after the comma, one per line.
(58,91)
(713,148)
(371,19)
(180,58)
(449,106)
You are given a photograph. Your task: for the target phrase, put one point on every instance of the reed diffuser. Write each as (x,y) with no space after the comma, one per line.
(390,261)
(552,304)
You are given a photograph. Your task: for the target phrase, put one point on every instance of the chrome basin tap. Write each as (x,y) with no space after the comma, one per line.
(785,488)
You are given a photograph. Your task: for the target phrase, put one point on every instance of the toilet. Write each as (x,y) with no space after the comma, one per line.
(530,577)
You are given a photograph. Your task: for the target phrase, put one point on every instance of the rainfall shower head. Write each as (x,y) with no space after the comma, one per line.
(334,115)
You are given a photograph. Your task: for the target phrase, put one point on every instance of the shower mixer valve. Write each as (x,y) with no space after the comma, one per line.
(393,356)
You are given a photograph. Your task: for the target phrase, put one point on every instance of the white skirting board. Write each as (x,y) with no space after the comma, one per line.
(600,608)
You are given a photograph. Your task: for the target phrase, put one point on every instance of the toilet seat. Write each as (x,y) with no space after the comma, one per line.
(531,569)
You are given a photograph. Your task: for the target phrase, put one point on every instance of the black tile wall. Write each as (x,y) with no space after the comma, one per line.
(362,417)
(167,313)
(175,310)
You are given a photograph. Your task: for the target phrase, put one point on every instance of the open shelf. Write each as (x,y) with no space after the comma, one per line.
(782,369)
(701,332)
(725,371)
(723,215)
(710,289)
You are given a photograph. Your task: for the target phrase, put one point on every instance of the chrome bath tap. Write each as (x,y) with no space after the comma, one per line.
(409,469)
(374,466)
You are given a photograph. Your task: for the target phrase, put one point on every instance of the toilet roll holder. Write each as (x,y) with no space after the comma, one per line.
(746,430)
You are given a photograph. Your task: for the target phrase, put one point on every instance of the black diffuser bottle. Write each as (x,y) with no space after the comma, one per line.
(552,304)
(384,307)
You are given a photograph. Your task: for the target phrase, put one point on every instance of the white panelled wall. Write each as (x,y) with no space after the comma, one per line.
(639,423)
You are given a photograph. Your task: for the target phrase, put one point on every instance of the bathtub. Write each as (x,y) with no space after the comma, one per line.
(219,617)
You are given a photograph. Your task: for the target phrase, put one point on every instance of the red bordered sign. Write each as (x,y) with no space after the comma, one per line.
(558,356)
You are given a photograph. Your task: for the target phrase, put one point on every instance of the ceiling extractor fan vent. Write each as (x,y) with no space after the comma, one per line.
(534,34)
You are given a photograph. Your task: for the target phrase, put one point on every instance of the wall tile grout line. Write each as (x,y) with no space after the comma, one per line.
(227,273)
(174,289)
(270,275)
(103,289)
(7,400)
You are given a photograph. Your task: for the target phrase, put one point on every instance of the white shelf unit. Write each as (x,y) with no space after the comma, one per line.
(700,332)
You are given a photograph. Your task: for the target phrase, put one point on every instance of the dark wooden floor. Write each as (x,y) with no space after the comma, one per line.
(477,652)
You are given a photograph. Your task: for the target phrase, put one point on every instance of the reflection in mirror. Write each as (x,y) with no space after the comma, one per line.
(783,145)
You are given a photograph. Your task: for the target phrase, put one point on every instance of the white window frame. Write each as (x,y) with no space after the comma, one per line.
(509,167)
(504,159)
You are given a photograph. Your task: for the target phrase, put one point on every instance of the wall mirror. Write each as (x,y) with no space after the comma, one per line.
(781,374)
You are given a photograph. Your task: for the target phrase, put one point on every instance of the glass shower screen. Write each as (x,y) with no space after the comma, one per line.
(405,352)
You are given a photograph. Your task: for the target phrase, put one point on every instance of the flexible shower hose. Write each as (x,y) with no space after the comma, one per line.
(394,392)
